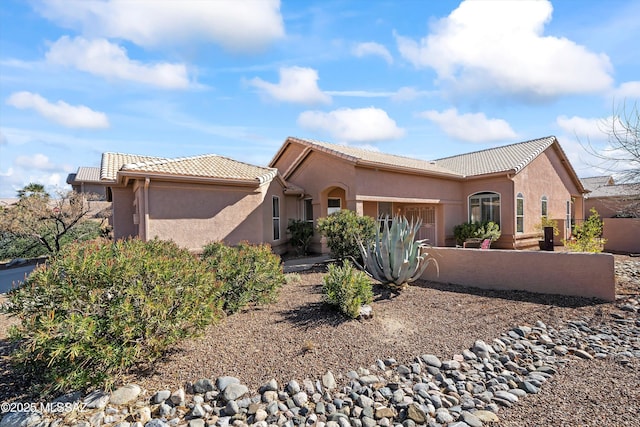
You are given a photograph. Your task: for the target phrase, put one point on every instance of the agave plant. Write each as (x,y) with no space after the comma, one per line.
(395,257)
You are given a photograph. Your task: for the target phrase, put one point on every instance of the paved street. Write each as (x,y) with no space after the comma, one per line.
(7,277)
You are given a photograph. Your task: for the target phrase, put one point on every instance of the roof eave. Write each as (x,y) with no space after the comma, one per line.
(124,175)
(394,168)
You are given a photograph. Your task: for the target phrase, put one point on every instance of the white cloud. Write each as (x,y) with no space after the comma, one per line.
(500,46)
(237,25)
(372,48)
(37,161)
(407,93)
(106,59)
(72,116)
(628,90)
(472,127)
(297,84)
(352,125)
(582,127)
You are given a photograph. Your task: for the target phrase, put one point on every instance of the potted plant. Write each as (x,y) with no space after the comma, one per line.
(471,234)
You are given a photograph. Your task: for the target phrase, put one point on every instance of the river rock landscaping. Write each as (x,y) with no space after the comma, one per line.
(298,363)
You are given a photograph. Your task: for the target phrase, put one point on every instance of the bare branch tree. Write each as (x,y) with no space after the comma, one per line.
(622,155)
(621,158)
(43,220)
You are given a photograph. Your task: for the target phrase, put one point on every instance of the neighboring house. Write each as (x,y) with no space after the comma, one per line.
(87,180)
(196,200)
(610,199)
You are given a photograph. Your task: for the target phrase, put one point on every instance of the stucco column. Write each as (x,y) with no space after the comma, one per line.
(357,206)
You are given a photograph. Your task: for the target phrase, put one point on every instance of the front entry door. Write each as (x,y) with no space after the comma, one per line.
(428,216)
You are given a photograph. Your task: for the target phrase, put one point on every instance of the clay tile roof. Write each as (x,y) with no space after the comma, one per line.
(87,174)
(605,186)
(500,159)
(112,162)
(205,166)
(362,155)
(595,182)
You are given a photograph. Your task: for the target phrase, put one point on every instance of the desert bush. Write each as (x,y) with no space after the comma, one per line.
(546,222)
(343,230)
(587,237)
(347,288)
(99,308)
(301,233)
(476,230)
(250,274)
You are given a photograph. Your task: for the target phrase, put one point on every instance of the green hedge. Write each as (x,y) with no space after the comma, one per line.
(100,308)
(250,274)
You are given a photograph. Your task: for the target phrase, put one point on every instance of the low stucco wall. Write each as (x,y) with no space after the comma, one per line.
(622,234)
(561,273)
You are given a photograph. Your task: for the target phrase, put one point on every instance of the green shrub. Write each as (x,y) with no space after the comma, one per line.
(587,237)
(250,274)
(476,230)
(99,308)
(347,288)
(343,230)
(301,233)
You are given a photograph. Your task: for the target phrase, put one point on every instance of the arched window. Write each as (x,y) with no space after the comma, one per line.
(519,213)
(484,207)
(543,207)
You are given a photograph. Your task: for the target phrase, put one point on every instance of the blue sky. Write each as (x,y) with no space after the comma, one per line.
(416,78)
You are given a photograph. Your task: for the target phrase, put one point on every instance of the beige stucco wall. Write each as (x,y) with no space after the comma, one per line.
(622,234)
(123,211)
(577,274)
(194,214)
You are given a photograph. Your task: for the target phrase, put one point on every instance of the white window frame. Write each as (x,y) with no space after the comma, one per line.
(275,212)
(481,195)
(544,207)
(519,213)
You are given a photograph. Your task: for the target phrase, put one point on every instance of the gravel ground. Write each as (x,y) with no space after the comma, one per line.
(300,337)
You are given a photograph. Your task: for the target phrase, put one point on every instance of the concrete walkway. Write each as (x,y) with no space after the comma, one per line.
(305,263)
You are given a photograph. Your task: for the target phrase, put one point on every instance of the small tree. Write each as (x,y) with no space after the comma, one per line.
(42,224)
(343,230)
(587,237)
(546,222)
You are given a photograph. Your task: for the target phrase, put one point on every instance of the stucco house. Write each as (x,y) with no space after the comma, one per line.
(87,180)
(195,200)
(610,199)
